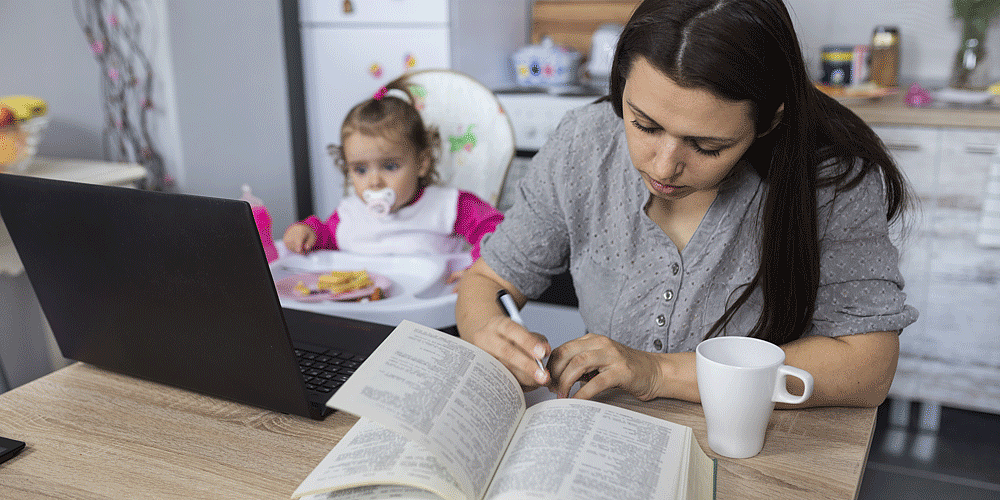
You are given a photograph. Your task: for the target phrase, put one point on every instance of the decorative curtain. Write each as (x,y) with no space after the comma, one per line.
(114,32)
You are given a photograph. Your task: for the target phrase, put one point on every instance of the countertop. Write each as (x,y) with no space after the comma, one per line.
(893,110)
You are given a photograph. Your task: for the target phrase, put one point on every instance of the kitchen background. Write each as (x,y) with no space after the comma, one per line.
(224,71)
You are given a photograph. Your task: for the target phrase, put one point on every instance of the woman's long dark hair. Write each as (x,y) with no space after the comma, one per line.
(745,50)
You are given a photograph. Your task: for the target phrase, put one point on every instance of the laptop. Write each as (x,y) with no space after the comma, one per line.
(175,289)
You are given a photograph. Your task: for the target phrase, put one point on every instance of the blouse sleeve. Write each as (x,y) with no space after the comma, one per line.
(861,287)
(326,232)
(475,219)
(532,243)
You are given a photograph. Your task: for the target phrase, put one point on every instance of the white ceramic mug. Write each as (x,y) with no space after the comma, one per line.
(739,380)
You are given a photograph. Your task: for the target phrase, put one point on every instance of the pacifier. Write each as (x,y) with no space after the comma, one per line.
(379,202)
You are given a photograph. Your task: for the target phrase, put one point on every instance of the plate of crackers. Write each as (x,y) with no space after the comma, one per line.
(339,286)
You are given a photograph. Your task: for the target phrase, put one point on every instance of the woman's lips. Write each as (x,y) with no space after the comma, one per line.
(664,188)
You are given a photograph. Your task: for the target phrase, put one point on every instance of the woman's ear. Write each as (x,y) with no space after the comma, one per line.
(775,121)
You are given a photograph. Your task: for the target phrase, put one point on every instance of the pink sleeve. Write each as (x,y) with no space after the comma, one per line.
(326,232)
(476,218)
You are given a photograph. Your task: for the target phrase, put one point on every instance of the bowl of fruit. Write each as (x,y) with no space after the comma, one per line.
(22,121)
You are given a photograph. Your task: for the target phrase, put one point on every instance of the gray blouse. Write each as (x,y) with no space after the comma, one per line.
(581,207)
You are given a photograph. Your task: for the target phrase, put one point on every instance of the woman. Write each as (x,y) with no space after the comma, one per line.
(717,192)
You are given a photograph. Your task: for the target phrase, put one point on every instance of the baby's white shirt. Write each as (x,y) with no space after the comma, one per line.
(425,227)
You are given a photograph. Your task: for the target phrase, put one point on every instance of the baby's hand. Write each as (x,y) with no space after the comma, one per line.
(299,238)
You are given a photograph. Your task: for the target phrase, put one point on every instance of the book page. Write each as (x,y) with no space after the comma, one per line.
(376,492)
(370,454)
(571,449)
(443,392)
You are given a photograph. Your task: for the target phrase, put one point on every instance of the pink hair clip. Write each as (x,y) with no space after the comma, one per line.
(380,94)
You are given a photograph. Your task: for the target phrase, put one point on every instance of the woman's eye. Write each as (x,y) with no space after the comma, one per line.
(391,166)
(706,152)
(360,170)
(643,128)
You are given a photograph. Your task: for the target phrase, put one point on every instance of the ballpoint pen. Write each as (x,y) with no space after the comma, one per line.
(511,309)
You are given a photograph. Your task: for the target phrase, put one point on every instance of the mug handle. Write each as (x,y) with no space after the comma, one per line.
(781,394)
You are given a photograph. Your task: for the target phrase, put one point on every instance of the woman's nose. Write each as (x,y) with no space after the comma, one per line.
(669,159)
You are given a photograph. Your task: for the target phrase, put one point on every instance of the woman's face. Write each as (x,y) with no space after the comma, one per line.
(682,141)
(375,162)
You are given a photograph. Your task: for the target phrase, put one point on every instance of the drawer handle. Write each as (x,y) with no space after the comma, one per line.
(903,146)
(980,149)
(348,7)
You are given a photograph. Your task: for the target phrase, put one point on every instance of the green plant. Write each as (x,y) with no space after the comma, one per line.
(978,13)
(976,16)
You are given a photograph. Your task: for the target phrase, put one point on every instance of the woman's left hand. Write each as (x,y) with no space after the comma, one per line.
(601,363)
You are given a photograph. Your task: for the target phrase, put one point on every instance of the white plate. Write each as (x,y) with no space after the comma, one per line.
(419,289)
(959,96)
(413,274)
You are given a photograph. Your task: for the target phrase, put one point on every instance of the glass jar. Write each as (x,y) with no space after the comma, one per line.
(885,56)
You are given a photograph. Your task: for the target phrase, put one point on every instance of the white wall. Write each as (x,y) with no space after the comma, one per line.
(45,55)
(232,100)
(929,34)
(221,116)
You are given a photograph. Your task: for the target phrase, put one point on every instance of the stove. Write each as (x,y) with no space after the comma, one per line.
(535,112)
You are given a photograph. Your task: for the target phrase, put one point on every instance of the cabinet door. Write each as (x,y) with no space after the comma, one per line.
(343,66)
(373,11)
(964,294)
(951,354)
(916,151)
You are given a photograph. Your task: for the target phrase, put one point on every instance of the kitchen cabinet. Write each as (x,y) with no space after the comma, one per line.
(950,259)
(351,48)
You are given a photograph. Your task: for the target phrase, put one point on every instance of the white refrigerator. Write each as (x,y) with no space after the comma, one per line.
(350,48)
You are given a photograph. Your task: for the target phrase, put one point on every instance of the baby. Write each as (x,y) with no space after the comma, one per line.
(387,155)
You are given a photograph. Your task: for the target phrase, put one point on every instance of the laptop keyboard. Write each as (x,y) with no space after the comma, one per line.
(325,371)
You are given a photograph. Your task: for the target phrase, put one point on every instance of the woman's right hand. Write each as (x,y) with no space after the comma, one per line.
(299,238)
(482,322)
(515,347)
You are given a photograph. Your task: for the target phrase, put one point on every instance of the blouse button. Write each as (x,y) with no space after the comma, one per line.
(675,268)
(668,295)
(661,320)
(658,345)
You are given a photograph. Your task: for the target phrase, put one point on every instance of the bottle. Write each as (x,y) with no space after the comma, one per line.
(263,221)
(885,56)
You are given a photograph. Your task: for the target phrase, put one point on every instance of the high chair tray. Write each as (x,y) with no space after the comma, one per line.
(417,288)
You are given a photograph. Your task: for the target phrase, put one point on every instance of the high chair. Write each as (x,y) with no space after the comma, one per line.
(477,146)
(477,137)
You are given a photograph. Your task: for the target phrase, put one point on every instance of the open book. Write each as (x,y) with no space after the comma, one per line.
(443,419)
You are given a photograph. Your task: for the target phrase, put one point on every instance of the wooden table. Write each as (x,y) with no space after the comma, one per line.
(96,434)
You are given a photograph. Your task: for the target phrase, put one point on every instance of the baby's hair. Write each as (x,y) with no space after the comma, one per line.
(393,118)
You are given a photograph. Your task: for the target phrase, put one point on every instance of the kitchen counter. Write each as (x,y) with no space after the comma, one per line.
(893,110)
